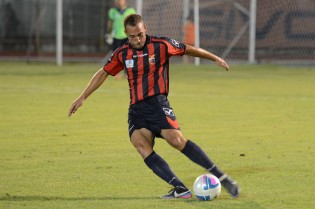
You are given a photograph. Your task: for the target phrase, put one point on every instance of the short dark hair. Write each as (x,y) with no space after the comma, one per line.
(132,20)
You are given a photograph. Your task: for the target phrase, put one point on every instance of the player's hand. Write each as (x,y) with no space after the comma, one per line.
(75,106)
(220,62)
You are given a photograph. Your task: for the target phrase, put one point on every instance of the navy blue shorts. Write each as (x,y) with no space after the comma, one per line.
(153,113)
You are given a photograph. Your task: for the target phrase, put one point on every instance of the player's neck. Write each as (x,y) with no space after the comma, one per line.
(122,8)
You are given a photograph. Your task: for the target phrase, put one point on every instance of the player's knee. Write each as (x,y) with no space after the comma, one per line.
(143,148)
(142,145)
(177,141)
(139,144)
(174,138)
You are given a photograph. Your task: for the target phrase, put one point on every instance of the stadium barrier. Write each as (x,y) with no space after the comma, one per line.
(240,30)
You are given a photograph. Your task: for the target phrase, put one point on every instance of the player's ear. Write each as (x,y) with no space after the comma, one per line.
(125,30)
(145,26)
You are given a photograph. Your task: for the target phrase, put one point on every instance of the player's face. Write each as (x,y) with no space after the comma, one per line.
(136,35)
(120,3)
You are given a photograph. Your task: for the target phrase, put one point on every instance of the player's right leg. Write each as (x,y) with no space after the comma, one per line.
(142,138)
(143,142)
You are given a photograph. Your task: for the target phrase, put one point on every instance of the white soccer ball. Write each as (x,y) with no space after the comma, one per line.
(207,187)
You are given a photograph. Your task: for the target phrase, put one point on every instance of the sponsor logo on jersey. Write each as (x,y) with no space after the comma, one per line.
(139,55)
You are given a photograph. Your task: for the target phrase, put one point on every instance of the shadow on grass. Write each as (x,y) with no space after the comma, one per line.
(224,203)
(8,197)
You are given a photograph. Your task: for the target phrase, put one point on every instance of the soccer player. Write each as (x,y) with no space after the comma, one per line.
(146,59)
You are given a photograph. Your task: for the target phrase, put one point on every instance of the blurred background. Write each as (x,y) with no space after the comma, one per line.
(254,31)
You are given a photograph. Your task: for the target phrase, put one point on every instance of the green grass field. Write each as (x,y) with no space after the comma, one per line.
(256,122)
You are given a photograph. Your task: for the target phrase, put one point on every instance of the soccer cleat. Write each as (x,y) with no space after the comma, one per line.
(231,186)
(178,192)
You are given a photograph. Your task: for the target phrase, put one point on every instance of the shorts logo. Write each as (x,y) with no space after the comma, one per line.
(129,63)
(168,111)
(152,59)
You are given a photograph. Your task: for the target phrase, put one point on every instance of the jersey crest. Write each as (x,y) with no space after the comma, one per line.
(152,59)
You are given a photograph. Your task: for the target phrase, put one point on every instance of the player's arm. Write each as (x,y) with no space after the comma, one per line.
(97,80)
(202,53)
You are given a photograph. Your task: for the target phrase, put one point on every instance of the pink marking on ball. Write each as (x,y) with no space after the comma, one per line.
(213,181)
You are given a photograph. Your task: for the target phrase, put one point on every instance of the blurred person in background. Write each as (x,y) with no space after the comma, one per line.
(115,35)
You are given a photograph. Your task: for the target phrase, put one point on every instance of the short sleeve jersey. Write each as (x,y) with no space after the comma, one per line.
(118,16)
(148,68)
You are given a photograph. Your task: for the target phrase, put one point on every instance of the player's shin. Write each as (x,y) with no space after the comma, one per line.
(162,169)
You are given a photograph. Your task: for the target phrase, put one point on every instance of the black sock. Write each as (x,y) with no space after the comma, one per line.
(195,154)
(162,169)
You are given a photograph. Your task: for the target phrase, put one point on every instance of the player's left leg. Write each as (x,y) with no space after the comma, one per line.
(191,150)
(196,154)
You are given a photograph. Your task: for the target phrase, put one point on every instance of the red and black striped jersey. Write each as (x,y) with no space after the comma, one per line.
(147,68)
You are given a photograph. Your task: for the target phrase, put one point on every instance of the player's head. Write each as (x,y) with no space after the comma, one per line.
(121,3)
(135,30)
